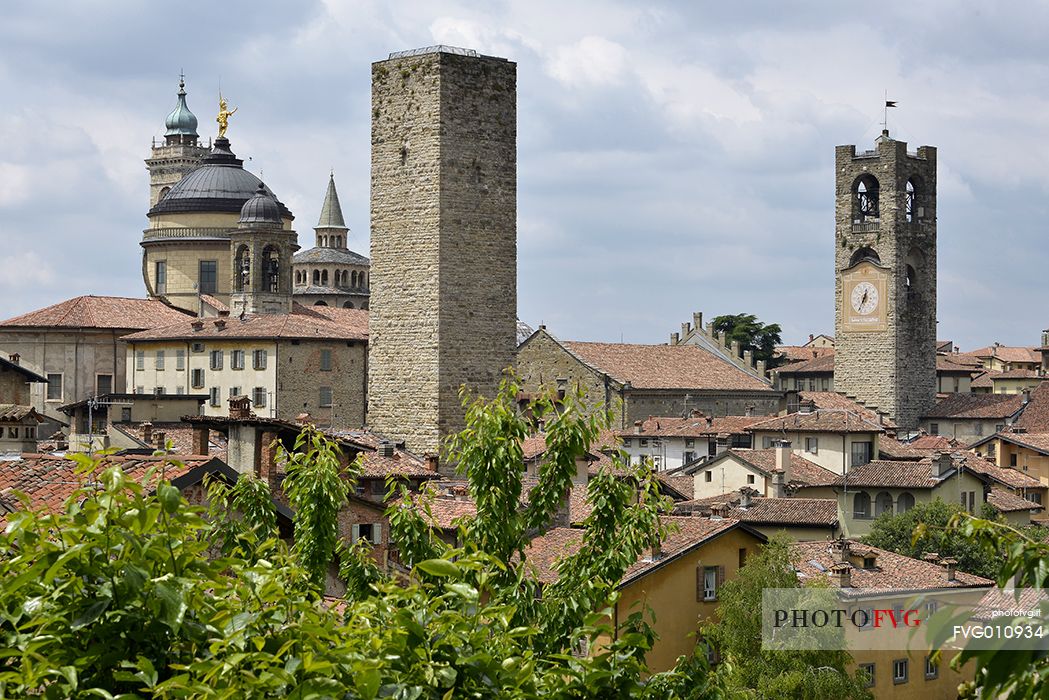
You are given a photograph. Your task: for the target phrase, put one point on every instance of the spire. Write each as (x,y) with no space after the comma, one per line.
(331,212)
(181,122)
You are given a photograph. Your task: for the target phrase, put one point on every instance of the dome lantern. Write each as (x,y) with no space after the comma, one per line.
(262,208)
(181,124)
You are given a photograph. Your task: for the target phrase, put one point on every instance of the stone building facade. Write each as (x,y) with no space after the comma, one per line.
(444,238)
(885,278)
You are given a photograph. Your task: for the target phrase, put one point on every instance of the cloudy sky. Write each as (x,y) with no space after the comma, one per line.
(673,157)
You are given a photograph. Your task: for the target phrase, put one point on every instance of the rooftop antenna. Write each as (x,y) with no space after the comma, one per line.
(885,117)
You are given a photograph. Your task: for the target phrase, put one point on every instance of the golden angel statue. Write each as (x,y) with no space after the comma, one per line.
(224,114)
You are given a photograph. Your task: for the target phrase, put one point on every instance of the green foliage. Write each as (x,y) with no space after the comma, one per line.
(924,528)
(317,488)
(753,672)
(761,339)
(127,593)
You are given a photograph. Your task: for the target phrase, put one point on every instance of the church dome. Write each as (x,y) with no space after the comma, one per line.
(220,184)
(260,209)
(181,122)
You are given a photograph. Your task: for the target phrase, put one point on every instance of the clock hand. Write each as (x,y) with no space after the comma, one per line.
(863,301)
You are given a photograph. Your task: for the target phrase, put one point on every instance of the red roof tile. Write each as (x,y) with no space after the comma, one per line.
(820,365)
(665,366)
(1008,502)
(1035,416)
(802,471)
(819,421)
(834,400)
(99,312)
(1007,353)
(314,322)
(969,406)
(697,426)
(790,511)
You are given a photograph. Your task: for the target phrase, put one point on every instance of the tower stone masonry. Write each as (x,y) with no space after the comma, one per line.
(885,278)
(443,240)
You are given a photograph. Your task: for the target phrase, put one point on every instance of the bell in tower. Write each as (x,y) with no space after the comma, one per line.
(261,250)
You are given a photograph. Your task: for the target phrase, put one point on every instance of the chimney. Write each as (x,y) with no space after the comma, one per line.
(844,573)
(1027,396)
(200,440)
(931,557)
(746,496)
(717,511)
(223,313)
(695,413)
(220,323)
(562,517)
(811,337)
(432,461)
(15,357)
(385,448)
(637,427)
(735,349)
(844,549)
(950,563)
(697,320)
(779,485)
(655,550)
(806,407)
(160,438)
(197,325)
(941,463)
(760,367)
(783,451)
(710,421)
(267,467)
(147,433)
(240,407)
(685,328)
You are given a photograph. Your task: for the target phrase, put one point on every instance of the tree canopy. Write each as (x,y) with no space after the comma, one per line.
(761,339)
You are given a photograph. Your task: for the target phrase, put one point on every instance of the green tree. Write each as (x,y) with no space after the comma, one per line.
(761,339)
(923,529)
(130,592)
(753,672)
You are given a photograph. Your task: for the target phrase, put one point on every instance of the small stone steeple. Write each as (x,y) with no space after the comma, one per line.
(179,154)
(181,123)
(331,229)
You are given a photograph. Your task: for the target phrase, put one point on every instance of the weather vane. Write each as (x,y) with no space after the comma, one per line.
(224,115)
(885,119)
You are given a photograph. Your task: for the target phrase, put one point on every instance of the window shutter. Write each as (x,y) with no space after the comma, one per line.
(377,533)
(719,581)
(699,582)
(355,533)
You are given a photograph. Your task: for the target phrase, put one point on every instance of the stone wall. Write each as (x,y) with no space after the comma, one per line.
(641,404)
(892,370)
(444,252)
(300,378)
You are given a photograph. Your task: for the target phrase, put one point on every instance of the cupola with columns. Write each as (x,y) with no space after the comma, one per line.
(261,251)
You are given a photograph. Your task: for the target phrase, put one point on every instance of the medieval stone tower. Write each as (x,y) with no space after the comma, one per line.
(443,239)
(180,153)
(885,278)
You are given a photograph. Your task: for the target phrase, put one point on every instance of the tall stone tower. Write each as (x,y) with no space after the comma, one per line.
(180,153)
(885,278)
(443,240)
(261,251)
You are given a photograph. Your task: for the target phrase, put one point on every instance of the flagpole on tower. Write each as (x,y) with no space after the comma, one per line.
(885,110)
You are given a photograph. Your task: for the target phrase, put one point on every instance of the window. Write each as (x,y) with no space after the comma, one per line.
(208,277)
(1035,498)
(687,457)
(1012,460)
(868,671)
(899,671)
(196,379)
(766,442)
(710,583)
(934,428)
(932,668)
(197,347)
(626,442)
(812,445)
(690,443)
(883,503)
(54,387)
(750,478)
(861,505)
(741,441)
(325,360)
(643,442)
(162,276)
(216,359)
(180,360)
(742,556)
(236,359)
(258,359)
(214,396)
(234,391)
(140,359)
(861,453)
(977,428)
(160,359)
(258,396)
(103,384)
(708,477)
(325,397)
(371,532)
(904,502)
(125,415)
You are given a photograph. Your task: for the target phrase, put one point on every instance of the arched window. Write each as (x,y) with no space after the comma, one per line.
(909,201)
(316,277)
(864,253)
(883,503)
(242,269)
(353,278)
(905,502)
(163,193)
(364,280)
(348,305)
(865,199)
(861,505)
(324,241)
(324,278)
(320,303)
(270,268)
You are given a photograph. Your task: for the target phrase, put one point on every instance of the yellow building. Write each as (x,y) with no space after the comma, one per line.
(679,580)
(872,578)
(835,439)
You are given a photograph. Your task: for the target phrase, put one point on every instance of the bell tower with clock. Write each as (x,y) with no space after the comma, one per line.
(885,278)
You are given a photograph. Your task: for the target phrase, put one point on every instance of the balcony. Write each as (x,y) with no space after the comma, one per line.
(866,226)
(180,233)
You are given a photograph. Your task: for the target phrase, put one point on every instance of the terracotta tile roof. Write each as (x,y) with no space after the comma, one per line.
(99,312)
(790,511)
(983,380)
(314,322)
(930,443)
(819,421)
(402,464)
(947,366)
(1007,353)
(802,353)
(820,365)
(802,471)
(14,413)
(1008,502)
(1013,478)
(1016,374)
(685,485)
(969,406)
(30,375)
(665,366)
(49,480)
(696,426)
(1039,442)
(883,473)
(545,552)
(534,446)
(834,400)
(180,434)
(1035,417)
(892,449)
(213,302)
(813,561)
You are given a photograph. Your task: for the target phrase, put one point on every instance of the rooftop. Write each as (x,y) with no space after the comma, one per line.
(306,323)
(122,313)
(820,512)
(693,426)
(1008,502)
(819,421)
(969,406)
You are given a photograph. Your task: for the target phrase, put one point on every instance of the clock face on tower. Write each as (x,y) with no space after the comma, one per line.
(863,298)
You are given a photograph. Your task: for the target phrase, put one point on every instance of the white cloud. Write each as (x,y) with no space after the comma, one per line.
(593,61)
